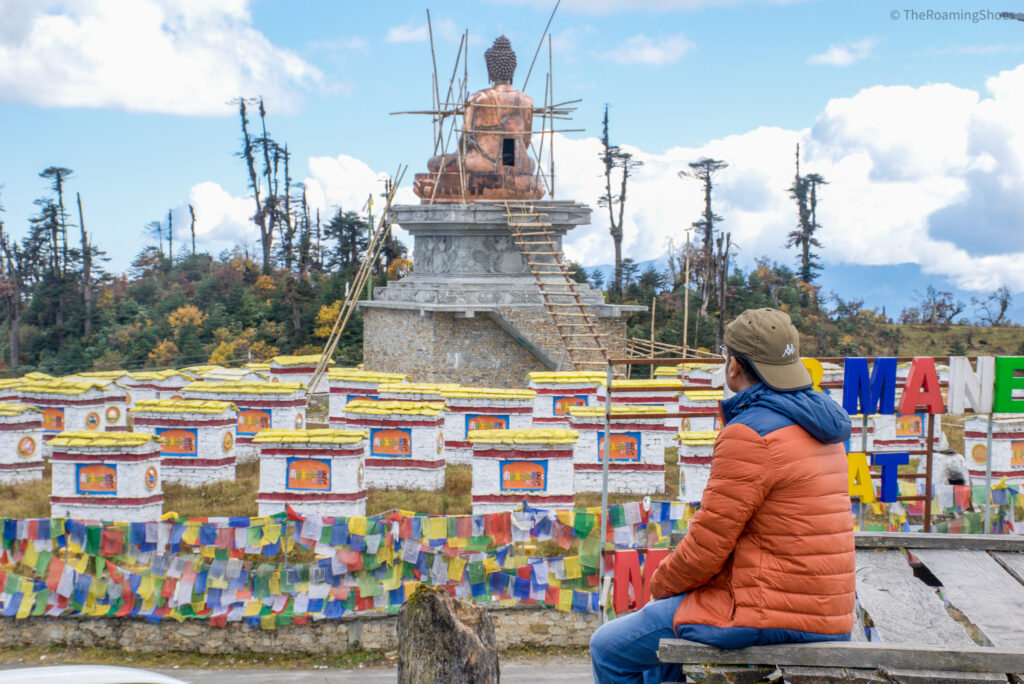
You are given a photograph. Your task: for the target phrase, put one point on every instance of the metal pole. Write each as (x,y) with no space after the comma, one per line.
(864,450)
(988,477)
(930,449)
(604,481)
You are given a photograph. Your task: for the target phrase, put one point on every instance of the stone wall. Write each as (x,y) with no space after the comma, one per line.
(440,347)
(514,627)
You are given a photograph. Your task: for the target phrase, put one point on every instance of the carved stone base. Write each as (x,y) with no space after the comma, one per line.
(443,346)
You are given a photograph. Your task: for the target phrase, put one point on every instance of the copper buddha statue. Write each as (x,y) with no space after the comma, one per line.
(495,143)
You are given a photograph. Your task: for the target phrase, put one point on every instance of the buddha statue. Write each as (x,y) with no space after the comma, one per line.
(495,142)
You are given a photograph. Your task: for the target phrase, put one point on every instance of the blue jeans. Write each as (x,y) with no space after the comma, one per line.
(626,649)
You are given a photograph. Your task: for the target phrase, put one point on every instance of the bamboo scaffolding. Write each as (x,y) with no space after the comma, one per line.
(373,250)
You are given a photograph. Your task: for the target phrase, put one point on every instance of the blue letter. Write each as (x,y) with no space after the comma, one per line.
(877,395)
(890,470)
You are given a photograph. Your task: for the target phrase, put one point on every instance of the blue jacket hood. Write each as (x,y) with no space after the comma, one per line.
(815,412)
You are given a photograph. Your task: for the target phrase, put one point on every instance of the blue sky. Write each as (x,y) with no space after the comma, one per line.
(915,121)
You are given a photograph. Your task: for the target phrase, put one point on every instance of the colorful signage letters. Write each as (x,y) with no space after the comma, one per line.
(96,478)
(485,421)
(251,421)
(178,441)
(391,442)
(309,474)
(625,447)
(525,476)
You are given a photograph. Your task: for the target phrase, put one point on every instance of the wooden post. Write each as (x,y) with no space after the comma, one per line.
(929,450)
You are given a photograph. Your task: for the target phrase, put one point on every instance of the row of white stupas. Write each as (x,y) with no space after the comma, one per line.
(206,418)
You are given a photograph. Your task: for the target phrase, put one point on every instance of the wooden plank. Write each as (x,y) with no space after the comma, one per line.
(935,540)
(903,608)
(734,674)
(1013,563)
(941,677)
(830,675)
(979,587)
(849,654)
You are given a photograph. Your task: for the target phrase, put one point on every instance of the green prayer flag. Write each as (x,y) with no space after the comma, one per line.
(584,524)
(93,536)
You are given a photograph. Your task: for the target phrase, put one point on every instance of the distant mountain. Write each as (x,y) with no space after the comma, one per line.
(892,288)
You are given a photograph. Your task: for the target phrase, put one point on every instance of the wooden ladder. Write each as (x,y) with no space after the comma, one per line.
(576,325)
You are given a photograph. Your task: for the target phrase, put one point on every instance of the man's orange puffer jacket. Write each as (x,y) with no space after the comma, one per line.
(771,549)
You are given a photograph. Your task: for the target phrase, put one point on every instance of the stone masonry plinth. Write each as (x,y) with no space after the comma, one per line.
(471,312)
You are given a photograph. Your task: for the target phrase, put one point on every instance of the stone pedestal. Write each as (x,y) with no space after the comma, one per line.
(317,472)
(473,408)
(512,466)
(198,438)
(21,443)
(471,311)
(106,476)
(694,454)
(637,464)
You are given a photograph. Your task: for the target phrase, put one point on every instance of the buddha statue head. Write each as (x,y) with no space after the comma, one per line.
(501,61)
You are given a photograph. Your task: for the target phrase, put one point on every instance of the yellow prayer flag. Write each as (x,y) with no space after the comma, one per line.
(437,528)
(252,608)
(271,533)
(30,557)
(146,586)
(567,518)
(491,565)
(207,551)
(357,525)
(82,565)
(275,583)
(564,600)
(455,568)
(410,587)
(27,601)
(458,542)
(572,567)
(268,621)
(191,536)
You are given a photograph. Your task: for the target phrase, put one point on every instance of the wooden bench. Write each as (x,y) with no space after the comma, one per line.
(973,631)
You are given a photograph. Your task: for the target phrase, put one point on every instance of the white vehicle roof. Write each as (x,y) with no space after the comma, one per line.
(84,674)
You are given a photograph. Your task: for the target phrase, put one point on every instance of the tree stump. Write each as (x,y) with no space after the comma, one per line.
(444,641)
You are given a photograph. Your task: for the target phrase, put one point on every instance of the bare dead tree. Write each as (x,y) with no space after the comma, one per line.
(86,268)
(192,227)
(724,244)
(704,171)
(170,237)
(614,158)
(260,218)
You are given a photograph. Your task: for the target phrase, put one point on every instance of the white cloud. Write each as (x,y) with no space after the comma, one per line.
(333,183)
(169,56)
(929,175)
(613,6)
(650,51)
(222,220)
(416,33)
(844,55)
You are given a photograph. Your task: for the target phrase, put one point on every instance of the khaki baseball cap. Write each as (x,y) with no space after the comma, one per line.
(768,339)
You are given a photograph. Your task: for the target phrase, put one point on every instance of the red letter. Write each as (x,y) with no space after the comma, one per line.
(921,391)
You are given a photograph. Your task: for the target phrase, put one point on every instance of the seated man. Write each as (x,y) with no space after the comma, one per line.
(769,557)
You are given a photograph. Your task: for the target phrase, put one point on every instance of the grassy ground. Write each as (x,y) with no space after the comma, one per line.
(924,340)
(238,497)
